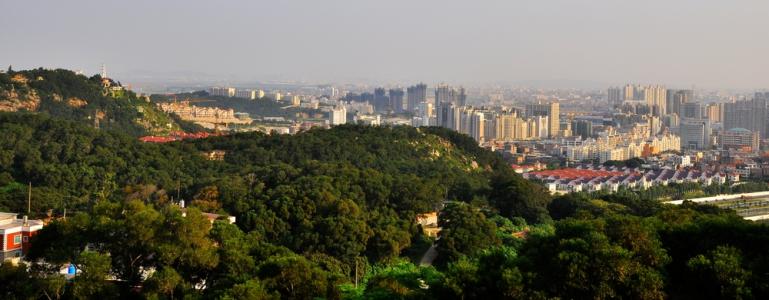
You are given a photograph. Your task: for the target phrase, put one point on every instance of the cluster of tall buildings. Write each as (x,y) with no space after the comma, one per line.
(449,108)
(654,98)
(393,100)
(549,110)
(739,124)
(412,100)
(677,109)
(699,125)
(538,121)
(449,102)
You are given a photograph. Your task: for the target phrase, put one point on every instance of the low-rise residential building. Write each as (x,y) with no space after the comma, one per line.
(16,233)
(612,179)
(622,147)
(429,223)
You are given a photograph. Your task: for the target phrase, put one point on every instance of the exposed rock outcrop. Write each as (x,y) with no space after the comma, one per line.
(76,102)
(11,100)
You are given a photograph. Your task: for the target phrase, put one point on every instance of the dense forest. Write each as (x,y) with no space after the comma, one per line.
(331,214)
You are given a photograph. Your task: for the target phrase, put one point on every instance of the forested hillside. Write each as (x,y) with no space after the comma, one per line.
(331,214)
(94,101)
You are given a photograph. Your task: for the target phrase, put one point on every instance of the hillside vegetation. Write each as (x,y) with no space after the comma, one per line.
(64,94)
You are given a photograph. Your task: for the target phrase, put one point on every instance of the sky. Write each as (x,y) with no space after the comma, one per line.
(701,43)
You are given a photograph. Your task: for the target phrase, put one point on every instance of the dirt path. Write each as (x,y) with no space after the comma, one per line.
(429,257)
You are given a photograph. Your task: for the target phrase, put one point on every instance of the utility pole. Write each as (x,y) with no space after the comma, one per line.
(178,188)
(29,198)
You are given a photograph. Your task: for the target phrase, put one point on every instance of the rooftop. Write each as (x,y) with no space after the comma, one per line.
(576,173)
(739,130)
(9,220)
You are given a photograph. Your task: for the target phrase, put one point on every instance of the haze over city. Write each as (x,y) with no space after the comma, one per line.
(712,44)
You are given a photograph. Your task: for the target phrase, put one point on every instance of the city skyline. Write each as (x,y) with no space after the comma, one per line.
(706,44)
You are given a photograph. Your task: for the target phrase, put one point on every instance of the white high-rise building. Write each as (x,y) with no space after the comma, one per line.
(338,115)
(246,94)
(477,122)
(222,92)
(334,92)
(542,126)
(294,100)
(426,109)
(505,123)
(630,92)
(656,98)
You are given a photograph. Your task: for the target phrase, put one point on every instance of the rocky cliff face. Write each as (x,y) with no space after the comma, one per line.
(13,100)
(76,102)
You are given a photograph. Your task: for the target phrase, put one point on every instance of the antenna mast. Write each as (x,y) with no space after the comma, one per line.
(103,71)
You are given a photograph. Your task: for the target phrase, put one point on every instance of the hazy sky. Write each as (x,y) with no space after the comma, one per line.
(708,43)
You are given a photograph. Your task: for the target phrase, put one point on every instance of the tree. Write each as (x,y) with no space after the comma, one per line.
(720,272)
(185,245)
(462,279)
(91,282)
(132,239)
(251,289)
(164,282)
(567,205)
(207,199)
(493,274)
(516,197)
(581,261)
(61,241)
(464,231)
(294,277)
(16,282)
(343,232)
(235,262)
(390,236)
(52,286)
